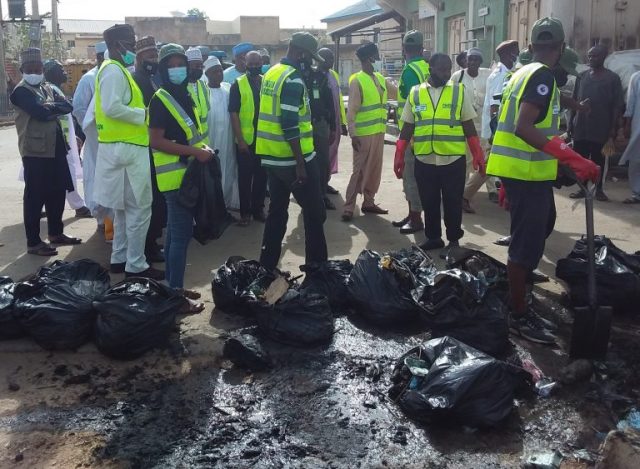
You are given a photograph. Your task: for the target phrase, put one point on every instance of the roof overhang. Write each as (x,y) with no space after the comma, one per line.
(366,22)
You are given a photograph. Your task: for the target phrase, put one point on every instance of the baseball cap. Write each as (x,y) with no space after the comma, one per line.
(171,49)
(413,38)
(547,27)
(307,42)
(525,57)
(569,60)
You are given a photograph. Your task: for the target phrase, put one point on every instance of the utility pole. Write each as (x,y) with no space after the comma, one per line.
(34,31)
(4,105)
(55,27)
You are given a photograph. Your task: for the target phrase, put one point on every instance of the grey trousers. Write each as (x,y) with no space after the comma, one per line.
(409,184)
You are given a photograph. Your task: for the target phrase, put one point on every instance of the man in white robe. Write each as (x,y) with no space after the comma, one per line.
(632,131)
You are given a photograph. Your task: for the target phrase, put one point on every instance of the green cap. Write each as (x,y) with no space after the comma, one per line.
(569,60)
(307,42)
(171,49)
(525,57)
(413,38)
(551,27)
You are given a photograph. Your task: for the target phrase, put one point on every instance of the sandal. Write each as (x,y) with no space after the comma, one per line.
(189,294)
(43,249)
(64,240)
(191,307)
(631,201)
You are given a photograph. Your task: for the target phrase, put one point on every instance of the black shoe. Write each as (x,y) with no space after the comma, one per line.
(601,196)
(155,257)
(153,274)
(83,212)
(328,204)
(504,241)
(401,223)
(411,227)
(577,195)
(331,191)
(117,268)
(432,244)
(452,245)
(530,327)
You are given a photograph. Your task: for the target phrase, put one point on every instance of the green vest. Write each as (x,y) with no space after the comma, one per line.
(512,157)
(421,69)
(270,142)
(343,112)
(247,109)
(438,127)
(201,97)
(372,117)
(113,130)
(169,168)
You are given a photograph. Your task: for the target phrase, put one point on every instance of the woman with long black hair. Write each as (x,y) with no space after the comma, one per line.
(176,135)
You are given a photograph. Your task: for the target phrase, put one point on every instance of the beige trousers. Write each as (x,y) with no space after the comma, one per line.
(367,171)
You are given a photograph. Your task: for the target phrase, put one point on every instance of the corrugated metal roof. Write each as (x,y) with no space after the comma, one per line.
(364,7)
(83,26)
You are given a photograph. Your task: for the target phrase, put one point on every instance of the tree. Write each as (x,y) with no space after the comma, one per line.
(197,13)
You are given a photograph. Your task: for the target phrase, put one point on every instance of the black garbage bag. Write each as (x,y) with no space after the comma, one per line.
(296,319)
(381,289)
(236,282)
(10,328)
(329,279)
(447,380)
(53,313)
(480,265)
(84,277)
(245,351)
(617,276)
(134,317)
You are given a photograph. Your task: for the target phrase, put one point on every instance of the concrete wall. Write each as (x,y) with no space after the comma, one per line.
(260,29)
(186,31)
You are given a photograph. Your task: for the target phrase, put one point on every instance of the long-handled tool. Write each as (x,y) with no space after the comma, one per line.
(592,323)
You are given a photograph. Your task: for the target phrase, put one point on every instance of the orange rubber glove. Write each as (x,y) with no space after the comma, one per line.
(398,161)
(502,198)
(585,170)
(479,163)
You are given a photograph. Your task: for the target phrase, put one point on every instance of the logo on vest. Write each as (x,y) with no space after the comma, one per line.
(421,107)
(542,89)
(446,106)
(267,88)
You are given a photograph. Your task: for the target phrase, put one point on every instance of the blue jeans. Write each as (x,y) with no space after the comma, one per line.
(179,234)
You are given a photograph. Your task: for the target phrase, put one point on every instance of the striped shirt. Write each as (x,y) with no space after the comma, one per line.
(291,100)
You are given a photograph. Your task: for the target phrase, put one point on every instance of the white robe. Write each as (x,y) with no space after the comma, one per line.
(632,152)
(221,138)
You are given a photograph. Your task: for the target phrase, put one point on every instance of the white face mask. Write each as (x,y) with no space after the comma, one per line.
(32,79)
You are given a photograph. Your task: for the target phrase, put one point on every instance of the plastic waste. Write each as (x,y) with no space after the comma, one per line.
(245,351)
(631,421)
(237,281)
(330,279)
(10,328)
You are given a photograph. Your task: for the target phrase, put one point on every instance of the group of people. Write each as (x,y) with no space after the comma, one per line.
(148,114)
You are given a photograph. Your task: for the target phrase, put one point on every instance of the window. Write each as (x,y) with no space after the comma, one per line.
(348,39)
(71,44)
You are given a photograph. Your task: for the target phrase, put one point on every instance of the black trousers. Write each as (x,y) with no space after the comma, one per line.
(321,145)
(252,183)
(46,181)
(592,151)
(281,186)
(158,213)
(442,185)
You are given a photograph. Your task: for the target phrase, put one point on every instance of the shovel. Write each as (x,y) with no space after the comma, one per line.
(592,323)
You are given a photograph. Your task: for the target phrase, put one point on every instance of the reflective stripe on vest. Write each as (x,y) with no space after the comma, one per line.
(200,96)
(372,116)
(169,168)
(512,157)
(421,69)
(113,130)
(438,128)
(270,142)
(247,109)
(343,112)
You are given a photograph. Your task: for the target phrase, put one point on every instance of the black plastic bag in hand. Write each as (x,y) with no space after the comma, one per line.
(296,319)
(134,317)
(329,279)
(10,328)
(383,294)
(235,282)
(446,380)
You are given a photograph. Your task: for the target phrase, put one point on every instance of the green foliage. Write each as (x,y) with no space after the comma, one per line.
(196,12)
(14,44)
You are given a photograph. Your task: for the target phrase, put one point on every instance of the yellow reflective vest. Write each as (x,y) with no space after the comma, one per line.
(270,142)
(247,109)
(421,69)
(113,130)
(170,168)
(512,157)
(372,117)
(343,112)
(438,126)
(200,96)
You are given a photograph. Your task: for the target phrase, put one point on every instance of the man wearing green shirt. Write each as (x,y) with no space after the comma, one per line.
(416,71)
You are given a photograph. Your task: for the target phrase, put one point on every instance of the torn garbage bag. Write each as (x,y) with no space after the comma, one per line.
(446,380)
(10,328)
(330,279)
(381,289)
(236,282)
(134,317)
(296,319)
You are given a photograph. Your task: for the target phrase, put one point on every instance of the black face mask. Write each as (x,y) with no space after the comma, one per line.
(254,71)
(305,63)
(195,75)
(437,81)
(150,67)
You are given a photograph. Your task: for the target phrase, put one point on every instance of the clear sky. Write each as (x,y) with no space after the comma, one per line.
(292,13)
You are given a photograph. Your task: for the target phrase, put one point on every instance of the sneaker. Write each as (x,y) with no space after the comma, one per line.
(432,244)
(530,327)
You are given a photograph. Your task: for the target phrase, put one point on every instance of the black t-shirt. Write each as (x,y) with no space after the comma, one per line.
(539,91)
(146,83)
(235,100)
(320,96)
(161,118)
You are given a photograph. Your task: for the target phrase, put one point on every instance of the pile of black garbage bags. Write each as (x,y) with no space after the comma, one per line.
(67,304)
(456,374)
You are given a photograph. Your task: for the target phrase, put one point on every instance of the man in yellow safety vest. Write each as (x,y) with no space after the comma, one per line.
(197,87)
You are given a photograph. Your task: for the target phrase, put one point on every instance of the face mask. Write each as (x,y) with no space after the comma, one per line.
(195,75)
(150,67)
(129,58)
(437,81)
(32,79)
(254,71)
(177,75)
(305,63)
